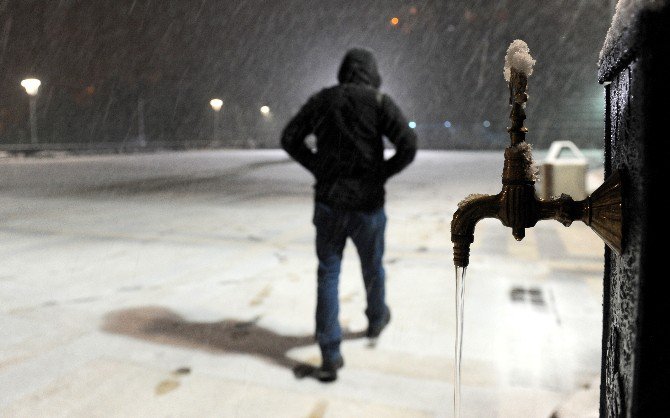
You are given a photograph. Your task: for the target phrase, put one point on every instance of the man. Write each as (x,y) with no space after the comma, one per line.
(349,121)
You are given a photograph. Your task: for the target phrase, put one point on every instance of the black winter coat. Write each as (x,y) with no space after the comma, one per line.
(349,121)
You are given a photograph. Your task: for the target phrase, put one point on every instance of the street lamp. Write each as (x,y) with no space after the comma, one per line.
(216,104)
(32,85)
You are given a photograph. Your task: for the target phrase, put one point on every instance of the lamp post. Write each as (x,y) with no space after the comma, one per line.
(32,85)
(216,105)
(267,125)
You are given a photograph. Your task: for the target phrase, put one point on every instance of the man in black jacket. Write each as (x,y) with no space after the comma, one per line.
(349,121)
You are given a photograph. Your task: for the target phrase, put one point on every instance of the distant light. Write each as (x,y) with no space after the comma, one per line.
(412,124)
(31,85)
(265,110)
(413,10)
(486,124)
(216,104)
(447,124)
(394,21)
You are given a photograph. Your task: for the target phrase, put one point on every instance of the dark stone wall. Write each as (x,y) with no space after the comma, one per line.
(635,366)
(623,281)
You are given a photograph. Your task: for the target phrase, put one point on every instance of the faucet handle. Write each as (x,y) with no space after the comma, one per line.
(564,215)
(605,213)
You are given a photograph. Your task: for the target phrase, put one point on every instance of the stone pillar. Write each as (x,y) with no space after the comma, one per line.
(635,70)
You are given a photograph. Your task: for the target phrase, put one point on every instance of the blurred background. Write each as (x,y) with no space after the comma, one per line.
(167,282)
(144,72)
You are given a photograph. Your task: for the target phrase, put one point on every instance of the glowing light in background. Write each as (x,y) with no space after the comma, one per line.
(216,104)
(265,110)
(31,85)
(394,21)
(486,124)
(447,124)
(412,124)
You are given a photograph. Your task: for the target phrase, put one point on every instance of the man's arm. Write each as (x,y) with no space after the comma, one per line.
(396,129)
(293,137)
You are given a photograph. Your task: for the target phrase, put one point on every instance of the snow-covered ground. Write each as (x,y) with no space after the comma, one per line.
(182,284)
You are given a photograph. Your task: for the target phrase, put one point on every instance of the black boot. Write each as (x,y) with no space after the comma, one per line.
(376,329)
(328,370)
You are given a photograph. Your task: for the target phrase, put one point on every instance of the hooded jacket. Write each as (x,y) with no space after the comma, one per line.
(349,121)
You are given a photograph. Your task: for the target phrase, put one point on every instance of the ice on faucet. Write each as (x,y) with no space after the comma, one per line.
(518,56)
(531,168)
(469,198)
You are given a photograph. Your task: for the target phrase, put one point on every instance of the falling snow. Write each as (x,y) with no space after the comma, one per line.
(132,70)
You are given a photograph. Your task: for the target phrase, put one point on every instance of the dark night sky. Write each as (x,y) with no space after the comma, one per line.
(442,61)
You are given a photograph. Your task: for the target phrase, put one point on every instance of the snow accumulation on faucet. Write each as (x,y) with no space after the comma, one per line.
(518,57)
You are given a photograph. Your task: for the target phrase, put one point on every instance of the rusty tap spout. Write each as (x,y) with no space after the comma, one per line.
(470,211)
(512,206)
(517,206)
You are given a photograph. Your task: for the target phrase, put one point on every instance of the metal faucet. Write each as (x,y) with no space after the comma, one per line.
(517,206)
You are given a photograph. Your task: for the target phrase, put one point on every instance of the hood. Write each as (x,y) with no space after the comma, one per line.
(359,67)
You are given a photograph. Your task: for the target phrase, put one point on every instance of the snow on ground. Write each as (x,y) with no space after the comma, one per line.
(183,284)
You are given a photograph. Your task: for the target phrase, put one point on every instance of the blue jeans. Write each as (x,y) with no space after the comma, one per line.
(366,230)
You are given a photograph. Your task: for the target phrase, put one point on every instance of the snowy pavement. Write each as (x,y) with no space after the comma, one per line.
(182,284)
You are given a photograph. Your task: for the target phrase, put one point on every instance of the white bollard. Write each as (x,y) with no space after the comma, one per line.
(563,171)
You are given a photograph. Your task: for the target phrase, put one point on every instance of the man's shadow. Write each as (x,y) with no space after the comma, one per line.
(160,325)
